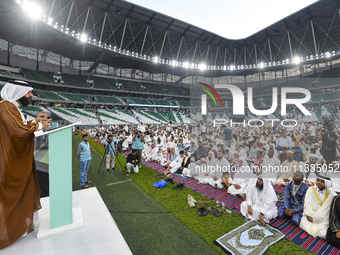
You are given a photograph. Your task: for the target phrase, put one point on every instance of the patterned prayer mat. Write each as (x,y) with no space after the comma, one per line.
(251,238)
(291,232)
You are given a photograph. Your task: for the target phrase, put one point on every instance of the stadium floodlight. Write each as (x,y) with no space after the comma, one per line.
(173,62)
(231,68)
(83,37)
(261,65)
(186,65)
(203,67)
(297,60)
(33,10)
(327,54)
(155,59)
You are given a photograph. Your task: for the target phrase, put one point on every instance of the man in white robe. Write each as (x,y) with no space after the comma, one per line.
(159,156)
(241,178)
(260,204)
(315,219)
(271,166)
(151,154)
(221,166)
(312,169)
(289,166)
(203,176)
(175,164)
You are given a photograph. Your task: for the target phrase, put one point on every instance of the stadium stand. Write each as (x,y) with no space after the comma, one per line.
(48,95)
(129,85)
(75,97)
(109,99)
(161,102)
(153,88)
(74,115)
(146,117)
(116,117)
(136,100)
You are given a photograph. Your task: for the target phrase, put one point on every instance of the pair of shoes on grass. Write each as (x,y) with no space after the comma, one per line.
(214,211)
(202,211)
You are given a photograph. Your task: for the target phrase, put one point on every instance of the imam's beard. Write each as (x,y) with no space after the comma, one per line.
(24,101)
(259,187)
(219,158)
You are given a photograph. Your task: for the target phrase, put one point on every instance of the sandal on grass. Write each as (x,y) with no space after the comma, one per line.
(159,176)
(85,186)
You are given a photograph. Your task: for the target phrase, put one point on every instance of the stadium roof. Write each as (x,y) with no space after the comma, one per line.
(139,37)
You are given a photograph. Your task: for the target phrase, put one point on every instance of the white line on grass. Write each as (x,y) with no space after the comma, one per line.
(119,182)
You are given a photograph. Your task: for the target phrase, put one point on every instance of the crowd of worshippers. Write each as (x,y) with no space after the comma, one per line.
(251,160)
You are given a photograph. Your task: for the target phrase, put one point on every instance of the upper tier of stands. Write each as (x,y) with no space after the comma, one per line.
(319,80)
(107,83)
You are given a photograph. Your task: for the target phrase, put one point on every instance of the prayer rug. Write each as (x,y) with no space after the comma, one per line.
(250,238)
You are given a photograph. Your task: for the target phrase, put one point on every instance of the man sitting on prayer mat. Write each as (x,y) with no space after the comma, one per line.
(333,232)
(260,203)
(294,198)
(288,168)
(318,199)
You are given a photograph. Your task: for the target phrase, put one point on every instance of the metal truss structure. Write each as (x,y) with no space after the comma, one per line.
(124,35)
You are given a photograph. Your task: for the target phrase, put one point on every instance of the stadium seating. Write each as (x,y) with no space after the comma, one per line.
(183,103)
(38,76)
(109,99)
(161,102)
(75,80)
(172,116)
(156,115)
(111,117)
(136,100)
(75,97)
(129,85)
(104,83)
(48,95)
(146,117)
(173,90)
(153,88)
(75,115)
(30,108)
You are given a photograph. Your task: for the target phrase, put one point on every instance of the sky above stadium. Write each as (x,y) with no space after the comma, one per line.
(232,19)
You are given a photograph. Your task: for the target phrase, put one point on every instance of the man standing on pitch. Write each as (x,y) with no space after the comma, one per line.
(19,186)
(84,157)
(111,150)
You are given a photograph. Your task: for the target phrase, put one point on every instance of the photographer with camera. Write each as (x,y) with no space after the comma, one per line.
(328,137)
(111,149)
(131,162)
(138,145)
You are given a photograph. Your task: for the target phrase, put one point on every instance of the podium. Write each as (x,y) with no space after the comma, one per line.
(62,216)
